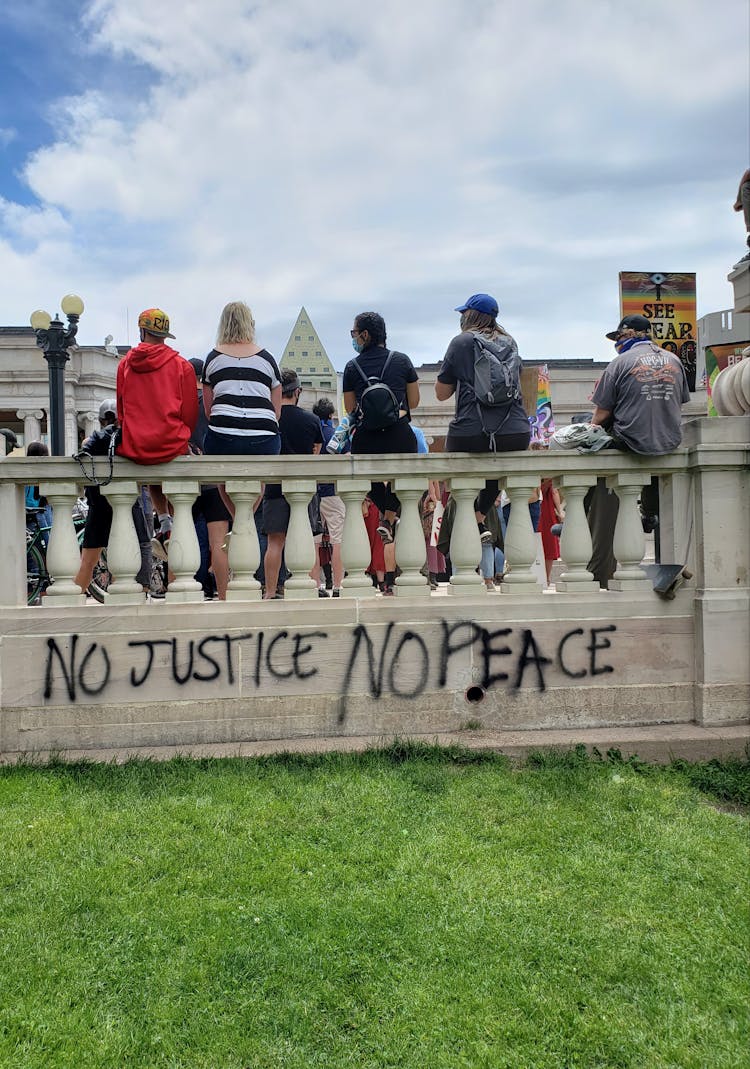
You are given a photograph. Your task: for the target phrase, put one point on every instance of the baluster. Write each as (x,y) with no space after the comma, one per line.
(466,544)
(63,554)
(244,549)
(183,548)
(13,588)
(520,538)
(299,548)
(629,540)
(123,551)
(575,540)
(355,546)
(411,550)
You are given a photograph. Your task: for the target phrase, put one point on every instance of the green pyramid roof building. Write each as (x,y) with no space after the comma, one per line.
(305,354)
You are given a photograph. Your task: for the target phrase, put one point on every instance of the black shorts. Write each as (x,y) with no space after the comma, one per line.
(99,519)
(276,514)
(210,506)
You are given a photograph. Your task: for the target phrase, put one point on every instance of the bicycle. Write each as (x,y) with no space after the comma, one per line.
(38,578)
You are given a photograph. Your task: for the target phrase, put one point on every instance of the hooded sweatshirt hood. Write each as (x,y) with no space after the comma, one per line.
(150,356)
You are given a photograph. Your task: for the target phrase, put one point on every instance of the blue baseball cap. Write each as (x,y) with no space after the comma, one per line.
(480,302)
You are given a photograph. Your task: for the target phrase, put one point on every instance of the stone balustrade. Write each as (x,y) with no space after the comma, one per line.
(60,480)
(133,673)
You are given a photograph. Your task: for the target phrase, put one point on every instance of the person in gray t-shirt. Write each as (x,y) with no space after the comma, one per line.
(638,399)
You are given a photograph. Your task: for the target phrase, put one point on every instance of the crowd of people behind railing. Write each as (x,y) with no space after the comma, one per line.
(237,402)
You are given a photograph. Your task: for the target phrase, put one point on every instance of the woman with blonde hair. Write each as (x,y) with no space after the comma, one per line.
(241,389)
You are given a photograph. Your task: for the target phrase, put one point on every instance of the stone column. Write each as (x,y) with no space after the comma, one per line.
(629,542)
(183,549)
(32,424)
(88,422)
(466,544)
(13,588)
(123,551)
(520,539)
(63,554)
(299,549)
(412,551)
(575,541)
(719,458)
(355,546)
(71,432)
(244,550)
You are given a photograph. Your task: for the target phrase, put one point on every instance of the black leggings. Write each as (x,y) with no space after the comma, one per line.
(396,439)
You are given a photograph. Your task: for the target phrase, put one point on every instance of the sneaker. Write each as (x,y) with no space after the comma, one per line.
(322,592)
(385,530)
(485,535)
(386,590)
(335,593)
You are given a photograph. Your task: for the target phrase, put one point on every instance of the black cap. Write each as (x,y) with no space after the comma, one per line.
(634,322)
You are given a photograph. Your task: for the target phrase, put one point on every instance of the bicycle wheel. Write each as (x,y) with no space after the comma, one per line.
(101,578)
(37,576)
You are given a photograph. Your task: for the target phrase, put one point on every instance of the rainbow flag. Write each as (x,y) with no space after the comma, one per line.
(542,422)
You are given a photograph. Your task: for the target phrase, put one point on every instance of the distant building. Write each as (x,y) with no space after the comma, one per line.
(305,354)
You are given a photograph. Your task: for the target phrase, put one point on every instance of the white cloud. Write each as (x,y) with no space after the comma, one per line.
(396,158)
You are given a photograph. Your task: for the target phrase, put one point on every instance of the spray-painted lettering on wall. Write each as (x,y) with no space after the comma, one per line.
(397,661)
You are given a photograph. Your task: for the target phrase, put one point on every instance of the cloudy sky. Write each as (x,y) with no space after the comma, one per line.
(395,156)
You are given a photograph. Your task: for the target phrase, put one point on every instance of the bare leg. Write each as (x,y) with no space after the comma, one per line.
(337,566)
(217,536)
(89,560)
(272,562)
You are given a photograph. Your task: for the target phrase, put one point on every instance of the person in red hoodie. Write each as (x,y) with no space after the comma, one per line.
(157,403)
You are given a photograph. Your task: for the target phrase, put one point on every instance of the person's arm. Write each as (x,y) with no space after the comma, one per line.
(208,399)
(316,448)
(738,201)
(276,400)
(444,390)
(412,395)
(350,401)
(601,416)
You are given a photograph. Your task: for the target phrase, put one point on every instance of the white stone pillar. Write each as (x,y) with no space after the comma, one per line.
(13,588)
(466,544)
(355,545)
(183,548)
(88,422)
(520,538)
(412,551)
(71,432)
(32,424)
(299,548)
(575,541)
(63,554)
(123,551)
(629,541)
(244,550)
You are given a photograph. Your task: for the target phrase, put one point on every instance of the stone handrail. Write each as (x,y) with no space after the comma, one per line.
(695,481)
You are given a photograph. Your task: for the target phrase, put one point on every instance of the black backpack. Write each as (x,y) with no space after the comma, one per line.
(497,382)
(378,405)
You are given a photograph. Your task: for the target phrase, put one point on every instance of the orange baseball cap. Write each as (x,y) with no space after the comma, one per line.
(155,321)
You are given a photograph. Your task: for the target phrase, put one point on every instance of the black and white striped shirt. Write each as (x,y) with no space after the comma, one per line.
(242,393)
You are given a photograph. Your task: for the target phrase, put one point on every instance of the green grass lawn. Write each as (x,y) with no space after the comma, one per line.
(411,908)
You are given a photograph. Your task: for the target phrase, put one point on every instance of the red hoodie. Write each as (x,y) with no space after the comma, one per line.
(157,403)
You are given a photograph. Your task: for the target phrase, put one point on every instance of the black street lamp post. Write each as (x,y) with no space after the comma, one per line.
(54,339)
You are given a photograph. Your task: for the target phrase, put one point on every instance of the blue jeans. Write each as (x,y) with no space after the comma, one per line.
(241,445)
(492,562)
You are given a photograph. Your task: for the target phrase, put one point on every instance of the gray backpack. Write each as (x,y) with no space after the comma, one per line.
(497,382)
